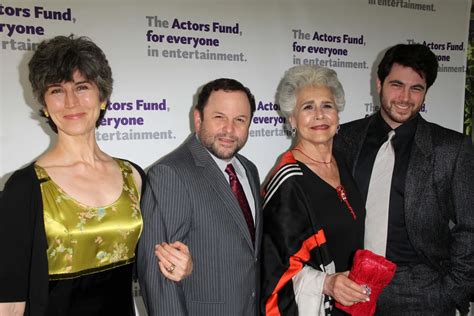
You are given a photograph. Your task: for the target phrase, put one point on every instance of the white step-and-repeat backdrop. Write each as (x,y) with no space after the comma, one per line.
(162,51)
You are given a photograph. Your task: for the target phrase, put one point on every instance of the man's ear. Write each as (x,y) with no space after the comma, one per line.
(197,120)
(379,85)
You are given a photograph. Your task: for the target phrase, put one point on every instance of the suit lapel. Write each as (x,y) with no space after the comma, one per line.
(214,176)
(418,173)
(357,142)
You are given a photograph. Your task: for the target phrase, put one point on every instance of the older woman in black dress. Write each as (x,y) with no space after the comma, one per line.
(70,221)
(313,215)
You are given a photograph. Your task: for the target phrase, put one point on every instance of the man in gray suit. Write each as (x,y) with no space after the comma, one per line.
(194,196)
(430,223)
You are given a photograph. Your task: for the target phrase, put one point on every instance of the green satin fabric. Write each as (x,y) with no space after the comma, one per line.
(82,239)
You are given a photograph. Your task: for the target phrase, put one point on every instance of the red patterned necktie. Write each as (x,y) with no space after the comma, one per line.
(238,191)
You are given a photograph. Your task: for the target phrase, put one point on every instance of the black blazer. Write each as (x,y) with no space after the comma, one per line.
(439,200)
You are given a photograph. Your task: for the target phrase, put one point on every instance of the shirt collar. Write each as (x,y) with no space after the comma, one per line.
(406,130)
(222,164)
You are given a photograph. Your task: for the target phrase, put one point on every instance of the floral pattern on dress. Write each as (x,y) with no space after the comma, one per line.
(88,214)
(63,251)
(133,195)
(119,253)
(104,236)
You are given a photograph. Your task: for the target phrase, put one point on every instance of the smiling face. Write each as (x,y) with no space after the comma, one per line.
(315,115)
(224,127)
(73,106)
(401,95)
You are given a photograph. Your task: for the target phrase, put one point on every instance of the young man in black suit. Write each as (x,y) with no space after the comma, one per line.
(428,230)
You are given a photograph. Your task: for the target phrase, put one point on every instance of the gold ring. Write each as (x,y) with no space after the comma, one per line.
(171,268)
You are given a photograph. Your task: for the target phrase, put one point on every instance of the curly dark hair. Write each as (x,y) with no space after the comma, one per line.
(56,60)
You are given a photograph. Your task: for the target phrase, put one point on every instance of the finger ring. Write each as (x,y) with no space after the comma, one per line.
(367,289)
(171,268)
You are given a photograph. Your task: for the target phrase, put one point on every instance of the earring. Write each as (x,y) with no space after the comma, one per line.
(293,132)
(45,112)
(103,106)
(338,128)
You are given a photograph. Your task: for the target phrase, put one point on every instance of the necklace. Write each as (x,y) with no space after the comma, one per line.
(341,192)
(314,160)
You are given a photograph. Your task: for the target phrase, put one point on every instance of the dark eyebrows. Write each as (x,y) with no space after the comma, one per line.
(57,84)
(53,85)
(417,86)
(396,81)
(82,82)
(242,116)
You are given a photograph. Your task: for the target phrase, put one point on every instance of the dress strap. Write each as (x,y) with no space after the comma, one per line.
(128,178)
(41,174)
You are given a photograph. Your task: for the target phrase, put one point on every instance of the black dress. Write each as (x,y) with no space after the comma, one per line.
(90,249)
(98,294)
(344,234)
(300,207)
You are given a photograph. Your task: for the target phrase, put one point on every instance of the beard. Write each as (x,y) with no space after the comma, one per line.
(397,111)
(212,144)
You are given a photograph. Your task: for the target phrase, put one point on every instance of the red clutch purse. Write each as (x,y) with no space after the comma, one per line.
(373,272)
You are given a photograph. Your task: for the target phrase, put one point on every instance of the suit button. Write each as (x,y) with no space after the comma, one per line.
(253,294)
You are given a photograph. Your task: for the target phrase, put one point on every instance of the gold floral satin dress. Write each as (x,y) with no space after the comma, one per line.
(91,250)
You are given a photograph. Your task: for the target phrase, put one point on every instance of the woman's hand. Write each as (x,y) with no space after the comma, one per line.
(343,289)
(174,260)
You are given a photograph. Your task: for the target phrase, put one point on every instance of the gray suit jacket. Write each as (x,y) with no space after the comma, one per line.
(188,199)
(438,190)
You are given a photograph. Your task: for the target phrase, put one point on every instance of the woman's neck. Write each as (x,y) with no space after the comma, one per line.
(71,150)
(317,153)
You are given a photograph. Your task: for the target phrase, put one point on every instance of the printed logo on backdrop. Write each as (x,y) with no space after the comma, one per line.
(125,120)
(444,50)
(13,34)
(267,122)
(333,50)
(370,108)
(182,38)
(449,54)
(404,4)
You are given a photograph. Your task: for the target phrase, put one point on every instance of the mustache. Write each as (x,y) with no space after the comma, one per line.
(225,135)
(404,103)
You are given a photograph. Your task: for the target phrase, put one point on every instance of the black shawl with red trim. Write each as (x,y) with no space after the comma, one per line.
(291,239)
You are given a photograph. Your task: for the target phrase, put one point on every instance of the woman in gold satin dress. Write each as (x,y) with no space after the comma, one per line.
(71,220)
